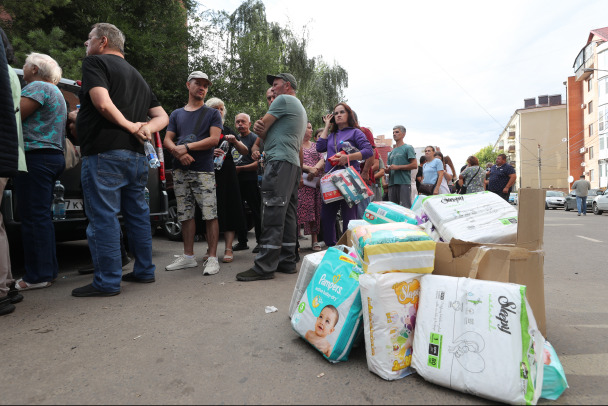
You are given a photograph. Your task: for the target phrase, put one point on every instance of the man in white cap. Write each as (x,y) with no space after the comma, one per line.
(282,130)
(193,132)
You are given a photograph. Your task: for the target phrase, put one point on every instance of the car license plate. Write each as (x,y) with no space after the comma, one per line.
(73,205)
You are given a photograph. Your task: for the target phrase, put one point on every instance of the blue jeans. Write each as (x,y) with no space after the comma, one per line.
(114,182)
(34,200)
(581,204)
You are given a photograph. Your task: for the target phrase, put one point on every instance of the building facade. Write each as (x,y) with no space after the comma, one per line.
(537,130)
(588,111)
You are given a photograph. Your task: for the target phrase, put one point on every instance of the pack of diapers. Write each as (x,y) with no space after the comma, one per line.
(329,314)
(390,302)
(394,247)
(478,337)
(307,270)
(554,377)
(388,212)
(482,217)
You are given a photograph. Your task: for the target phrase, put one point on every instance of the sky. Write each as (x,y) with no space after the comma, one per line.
(453,73)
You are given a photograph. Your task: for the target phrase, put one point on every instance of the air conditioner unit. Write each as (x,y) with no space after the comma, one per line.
(583,106)
(584,150)
(583,164)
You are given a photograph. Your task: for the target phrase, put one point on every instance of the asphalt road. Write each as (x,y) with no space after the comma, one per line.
(191,339)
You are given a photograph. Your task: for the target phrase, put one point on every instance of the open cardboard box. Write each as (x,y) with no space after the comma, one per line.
(520,263)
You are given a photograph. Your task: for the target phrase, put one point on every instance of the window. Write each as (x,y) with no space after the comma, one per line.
(602,144)
(591,179)
(590,83)
(590,152)
(601,122)
(590,129)
(590,107)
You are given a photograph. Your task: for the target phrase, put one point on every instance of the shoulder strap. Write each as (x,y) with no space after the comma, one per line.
(473,177)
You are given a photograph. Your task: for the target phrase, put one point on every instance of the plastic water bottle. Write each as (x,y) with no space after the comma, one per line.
(147,196)
(151,154)
(261,168)
(58,207)
(348,147)
(218,161)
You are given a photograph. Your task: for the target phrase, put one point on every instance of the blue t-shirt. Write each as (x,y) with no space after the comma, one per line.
(182,123)
(45,127)
(499,177)
(429,171)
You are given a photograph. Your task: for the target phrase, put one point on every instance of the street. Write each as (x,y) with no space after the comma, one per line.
(191,339)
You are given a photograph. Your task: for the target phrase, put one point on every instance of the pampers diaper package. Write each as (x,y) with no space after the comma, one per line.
(394,247)
(554,377)
(482,217)
(478,337)
(307,271)
(390,302)
(329,314)
(388,212)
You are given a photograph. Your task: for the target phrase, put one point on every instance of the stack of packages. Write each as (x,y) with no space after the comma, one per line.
(467,326)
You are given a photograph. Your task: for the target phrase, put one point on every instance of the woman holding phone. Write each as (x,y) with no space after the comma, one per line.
(340,126)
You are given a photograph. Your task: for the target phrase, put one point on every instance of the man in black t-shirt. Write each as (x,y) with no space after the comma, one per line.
(247,170)
(112,125)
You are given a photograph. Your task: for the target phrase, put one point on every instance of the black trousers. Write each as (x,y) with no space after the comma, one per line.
(250,192)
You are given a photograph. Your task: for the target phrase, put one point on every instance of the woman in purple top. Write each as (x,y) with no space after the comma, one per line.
(340,126)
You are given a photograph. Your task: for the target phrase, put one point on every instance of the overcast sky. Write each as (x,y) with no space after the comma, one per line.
(451,72)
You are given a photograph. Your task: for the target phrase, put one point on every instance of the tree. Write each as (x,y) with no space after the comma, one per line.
(240,49)
(486,155)
(157,36)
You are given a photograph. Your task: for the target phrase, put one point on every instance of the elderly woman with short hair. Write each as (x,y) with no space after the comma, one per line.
(44,114)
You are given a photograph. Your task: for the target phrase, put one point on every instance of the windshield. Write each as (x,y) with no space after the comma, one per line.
(593,192)
(551,193)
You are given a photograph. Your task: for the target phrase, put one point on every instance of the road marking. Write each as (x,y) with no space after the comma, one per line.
(587,238)
(564,224)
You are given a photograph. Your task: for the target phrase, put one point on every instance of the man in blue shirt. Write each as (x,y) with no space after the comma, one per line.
(502,177)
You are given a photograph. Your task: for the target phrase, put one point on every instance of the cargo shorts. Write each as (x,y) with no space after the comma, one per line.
(193,187)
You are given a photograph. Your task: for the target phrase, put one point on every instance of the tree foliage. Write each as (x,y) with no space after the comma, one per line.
(166,39)
(486,154)
(240,49)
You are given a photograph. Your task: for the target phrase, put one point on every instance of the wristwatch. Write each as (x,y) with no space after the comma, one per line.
(187,149)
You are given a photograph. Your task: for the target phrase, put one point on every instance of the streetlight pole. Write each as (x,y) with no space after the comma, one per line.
(539,178)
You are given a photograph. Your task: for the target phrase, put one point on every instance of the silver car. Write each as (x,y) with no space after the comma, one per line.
(600,202)
(554,199)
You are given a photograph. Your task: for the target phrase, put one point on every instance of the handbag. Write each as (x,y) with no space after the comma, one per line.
(71,154)
(463,188)
(427,188)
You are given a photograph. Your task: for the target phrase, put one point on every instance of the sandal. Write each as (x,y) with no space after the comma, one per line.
(316,246)
(28,286)
(227,257)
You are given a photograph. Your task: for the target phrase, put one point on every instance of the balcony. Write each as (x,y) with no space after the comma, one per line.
(511,135)
(511,149)
(583,61)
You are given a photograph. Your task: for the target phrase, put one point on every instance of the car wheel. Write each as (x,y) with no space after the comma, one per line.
(172,227)
(566,208)
(596,211)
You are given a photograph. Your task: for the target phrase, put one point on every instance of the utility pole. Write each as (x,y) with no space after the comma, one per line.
(539,164)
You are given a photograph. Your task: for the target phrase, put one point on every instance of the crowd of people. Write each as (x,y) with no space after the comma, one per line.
(277,163)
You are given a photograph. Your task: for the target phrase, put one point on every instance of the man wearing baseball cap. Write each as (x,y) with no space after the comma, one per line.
(192,135)
(282,130)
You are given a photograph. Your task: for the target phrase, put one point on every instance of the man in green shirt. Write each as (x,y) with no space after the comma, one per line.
(282,130)
(401,161)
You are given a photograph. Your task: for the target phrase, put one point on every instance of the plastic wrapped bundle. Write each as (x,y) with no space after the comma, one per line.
(482,217)
(351,186)
(307,271)
(329,314)
(394,247)
(554,377)
(390,302)
(388,212)
(478,337)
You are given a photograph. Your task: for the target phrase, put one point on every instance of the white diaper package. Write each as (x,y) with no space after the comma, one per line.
(389,302)
(356,223)
(309,265)
(482,217)
(329,314)
(478,337)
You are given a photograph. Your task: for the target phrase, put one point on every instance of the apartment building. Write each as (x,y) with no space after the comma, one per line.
(588,111)
(537,128)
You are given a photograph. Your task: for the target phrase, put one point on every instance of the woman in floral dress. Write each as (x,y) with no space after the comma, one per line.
(309,198)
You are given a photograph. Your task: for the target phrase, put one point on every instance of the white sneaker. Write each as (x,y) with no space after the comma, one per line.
(181,262)
(212,266)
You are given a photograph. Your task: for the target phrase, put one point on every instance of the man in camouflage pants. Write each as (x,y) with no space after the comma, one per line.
(196,128)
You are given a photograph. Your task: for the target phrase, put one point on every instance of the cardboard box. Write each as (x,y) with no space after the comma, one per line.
(520,263)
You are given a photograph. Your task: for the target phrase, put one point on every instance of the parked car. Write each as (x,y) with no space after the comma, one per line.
(73,227)
(600,202)
(554,199)
(571,199)
(171,225)
(513,198)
